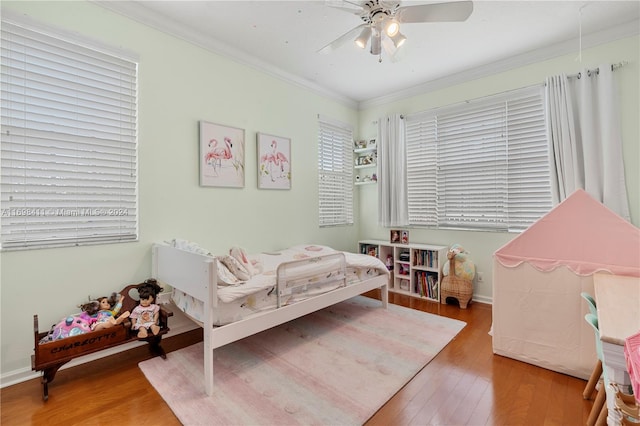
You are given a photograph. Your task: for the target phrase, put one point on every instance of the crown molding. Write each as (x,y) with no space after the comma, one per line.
(142,15)
(137,12)
(629,29)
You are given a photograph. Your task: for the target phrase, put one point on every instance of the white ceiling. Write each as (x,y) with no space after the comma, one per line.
(283,37)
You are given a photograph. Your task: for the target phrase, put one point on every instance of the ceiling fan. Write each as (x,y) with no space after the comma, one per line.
(382,21)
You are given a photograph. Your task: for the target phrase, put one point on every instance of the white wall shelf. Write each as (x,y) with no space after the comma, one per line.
(366,158)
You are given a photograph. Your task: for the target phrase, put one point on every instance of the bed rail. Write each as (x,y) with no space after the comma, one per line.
(329,268)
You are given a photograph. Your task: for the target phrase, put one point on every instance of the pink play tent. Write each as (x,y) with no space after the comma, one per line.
(538,314)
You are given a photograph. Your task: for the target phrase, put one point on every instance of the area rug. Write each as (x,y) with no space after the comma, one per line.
(337,366)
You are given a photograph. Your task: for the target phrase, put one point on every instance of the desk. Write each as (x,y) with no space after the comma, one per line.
(618,302)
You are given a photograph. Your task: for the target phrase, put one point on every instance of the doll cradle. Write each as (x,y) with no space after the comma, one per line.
(48,357)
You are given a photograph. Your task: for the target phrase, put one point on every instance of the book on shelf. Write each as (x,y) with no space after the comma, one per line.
(428,258)
(426,284)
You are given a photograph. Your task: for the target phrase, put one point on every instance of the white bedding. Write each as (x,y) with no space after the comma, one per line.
(258,293)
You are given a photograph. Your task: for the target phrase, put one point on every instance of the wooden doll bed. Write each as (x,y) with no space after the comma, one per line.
(196,275)
(50,356)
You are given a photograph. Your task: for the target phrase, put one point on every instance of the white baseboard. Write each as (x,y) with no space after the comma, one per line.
(483,299)
(178,324)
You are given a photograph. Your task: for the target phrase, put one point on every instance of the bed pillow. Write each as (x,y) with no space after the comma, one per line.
(188,246)
(235,267)
(225,277)
(252,266)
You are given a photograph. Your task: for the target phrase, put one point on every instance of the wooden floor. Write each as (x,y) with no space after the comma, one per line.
(464,385)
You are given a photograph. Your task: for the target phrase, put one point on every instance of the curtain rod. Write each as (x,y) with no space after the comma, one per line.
(376,121)
(597,70)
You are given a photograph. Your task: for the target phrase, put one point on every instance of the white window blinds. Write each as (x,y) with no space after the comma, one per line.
(335,172)
(480,165)
(69,143)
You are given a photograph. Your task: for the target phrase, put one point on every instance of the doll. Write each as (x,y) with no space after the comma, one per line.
(108,311)
(89,311)
(145,315)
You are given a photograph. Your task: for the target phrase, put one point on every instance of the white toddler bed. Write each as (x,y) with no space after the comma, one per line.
(316,278)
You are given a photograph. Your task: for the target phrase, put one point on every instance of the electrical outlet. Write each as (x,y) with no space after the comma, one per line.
(480,277)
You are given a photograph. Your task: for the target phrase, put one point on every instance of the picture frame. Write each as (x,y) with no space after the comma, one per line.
(222,152)
(274,161)
(399,236)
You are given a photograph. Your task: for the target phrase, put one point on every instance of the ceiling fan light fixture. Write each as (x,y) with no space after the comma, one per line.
(392,27)
(398,39)
(363,38)
(376,45)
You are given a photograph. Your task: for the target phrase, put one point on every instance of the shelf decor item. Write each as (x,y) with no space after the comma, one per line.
(360,144)
(394,236)
(221,155)
(404,237)
(274,162)
(455,286)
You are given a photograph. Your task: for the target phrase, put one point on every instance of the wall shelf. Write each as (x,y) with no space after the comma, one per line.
(366,158)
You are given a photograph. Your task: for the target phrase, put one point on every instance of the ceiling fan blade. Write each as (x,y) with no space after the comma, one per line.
(349,35)
(438,12)
(347,6)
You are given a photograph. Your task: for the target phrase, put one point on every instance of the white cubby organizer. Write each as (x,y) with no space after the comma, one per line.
(415,268)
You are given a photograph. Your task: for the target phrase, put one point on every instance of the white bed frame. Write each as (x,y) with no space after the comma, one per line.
(196,275)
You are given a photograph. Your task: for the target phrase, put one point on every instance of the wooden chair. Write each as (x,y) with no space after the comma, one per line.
(598,414)
(596,374)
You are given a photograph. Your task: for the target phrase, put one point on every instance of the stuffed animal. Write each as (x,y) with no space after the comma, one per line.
(465,268)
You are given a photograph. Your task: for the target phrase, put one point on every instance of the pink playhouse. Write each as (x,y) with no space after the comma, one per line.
(538,314)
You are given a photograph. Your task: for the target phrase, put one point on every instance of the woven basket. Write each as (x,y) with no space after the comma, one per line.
(453,286)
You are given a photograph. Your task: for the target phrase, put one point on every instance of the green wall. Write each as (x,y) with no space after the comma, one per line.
(180,84)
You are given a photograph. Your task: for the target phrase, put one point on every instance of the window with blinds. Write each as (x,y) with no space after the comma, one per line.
(335,172)
(68,143)
(480,165)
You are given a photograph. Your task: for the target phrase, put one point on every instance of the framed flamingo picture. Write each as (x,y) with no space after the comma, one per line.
(221,155)
(274,162)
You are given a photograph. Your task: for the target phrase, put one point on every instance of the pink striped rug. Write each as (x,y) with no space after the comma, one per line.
(337,366)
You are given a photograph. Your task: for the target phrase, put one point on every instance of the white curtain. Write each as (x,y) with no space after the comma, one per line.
(392,178)
(585,140)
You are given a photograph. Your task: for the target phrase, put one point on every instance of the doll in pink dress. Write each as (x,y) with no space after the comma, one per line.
(145,316)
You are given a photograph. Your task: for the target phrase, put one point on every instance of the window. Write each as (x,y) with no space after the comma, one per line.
(480,165)
(68,143)
(335,172)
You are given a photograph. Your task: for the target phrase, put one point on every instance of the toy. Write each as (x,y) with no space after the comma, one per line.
(107,315)
(465,268)
(145,315)
(73,325)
